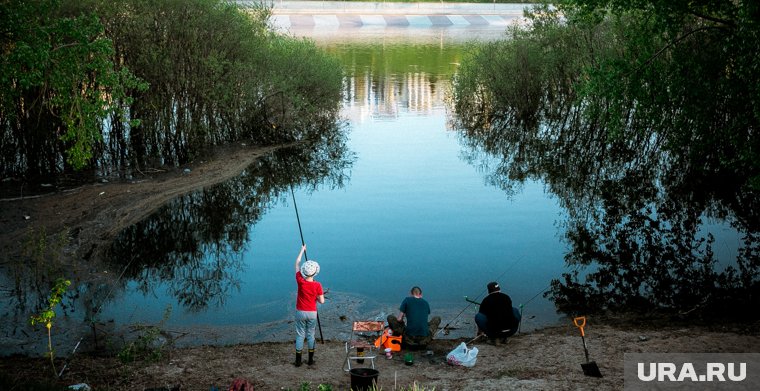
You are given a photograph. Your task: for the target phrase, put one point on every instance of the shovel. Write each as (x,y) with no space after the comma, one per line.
(589,367)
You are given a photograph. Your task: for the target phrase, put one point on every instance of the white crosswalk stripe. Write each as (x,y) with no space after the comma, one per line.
(372,20)
(458,20)
(419,20)
(495,20)
(326,21)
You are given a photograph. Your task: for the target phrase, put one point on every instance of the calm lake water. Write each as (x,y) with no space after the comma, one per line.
(415,208)
(413,212)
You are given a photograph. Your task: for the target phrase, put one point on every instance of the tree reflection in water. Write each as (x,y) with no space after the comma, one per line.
(194,245)
(635,210)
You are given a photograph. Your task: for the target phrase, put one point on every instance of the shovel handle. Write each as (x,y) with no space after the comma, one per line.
(580,322)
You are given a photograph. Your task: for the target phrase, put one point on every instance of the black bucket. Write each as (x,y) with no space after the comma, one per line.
(363,379)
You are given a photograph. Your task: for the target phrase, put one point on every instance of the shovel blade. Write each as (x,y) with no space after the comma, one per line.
(591,369)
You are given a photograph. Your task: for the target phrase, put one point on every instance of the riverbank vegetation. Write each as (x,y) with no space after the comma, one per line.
(110,88)
(642,118)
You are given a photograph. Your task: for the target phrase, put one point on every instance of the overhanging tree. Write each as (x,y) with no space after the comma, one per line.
(57,84)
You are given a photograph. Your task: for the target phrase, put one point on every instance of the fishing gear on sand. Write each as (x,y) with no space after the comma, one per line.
(306,257)
(589,367)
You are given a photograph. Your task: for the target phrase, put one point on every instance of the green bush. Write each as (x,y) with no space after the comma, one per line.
(123,84)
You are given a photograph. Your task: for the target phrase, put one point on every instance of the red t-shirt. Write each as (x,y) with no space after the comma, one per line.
(307,293)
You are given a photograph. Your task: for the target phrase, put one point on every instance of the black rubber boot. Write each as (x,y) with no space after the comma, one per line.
(298,358)
(311,357)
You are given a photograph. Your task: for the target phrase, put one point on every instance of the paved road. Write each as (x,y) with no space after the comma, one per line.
(311,14)
(389,8)
(379,20)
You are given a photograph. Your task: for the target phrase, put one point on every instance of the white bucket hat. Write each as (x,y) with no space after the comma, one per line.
(309,269)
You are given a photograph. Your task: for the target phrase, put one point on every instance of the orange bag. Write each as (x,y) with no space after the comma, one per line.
(388,341)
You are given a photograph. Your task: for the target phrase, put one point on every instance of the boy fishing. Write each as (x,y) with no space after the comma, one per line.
(309,293)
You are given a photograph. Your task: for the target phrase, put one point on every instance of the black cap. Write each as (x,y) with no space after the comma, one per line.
(493,287)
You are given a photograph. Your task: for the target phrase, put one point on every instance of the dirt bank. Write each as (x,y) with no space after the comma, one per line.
(95,213)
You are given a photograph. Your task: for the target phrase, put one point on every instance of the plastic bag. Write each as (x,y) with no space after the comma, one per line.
(463,356)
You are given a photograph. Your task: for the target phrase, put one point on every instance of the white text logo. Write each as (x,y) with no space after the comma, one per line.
(665,371)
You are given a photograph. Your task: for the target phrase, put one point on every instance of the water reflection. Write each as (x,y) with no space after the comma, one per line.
(649,228)
(195,244)
(385,80)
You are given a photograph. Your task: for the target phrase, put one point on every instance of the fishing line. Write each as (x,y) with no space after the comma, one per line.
(306,257)
(577,267)
(537,294)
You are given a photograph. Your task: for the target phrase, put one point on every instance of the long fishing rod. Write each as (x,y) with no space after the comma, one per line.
(306,257)
(474,301)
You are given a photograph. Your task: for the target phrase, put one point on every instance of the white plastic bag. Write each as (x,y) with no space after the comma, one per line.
(462,355)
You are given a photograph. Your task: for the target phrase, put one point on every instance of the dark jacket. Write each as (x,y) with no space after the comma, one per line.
(497,307)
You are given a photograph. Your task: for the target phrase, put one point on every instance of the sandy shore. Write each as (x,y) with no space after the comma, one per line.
(548,359)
